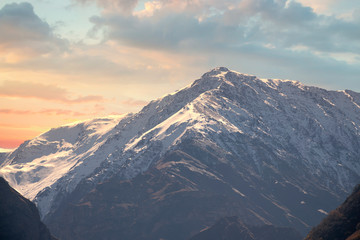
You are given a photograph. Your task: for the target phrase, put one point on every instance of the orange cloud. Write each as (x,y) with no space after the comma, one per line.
(61,112)
(10,143)
(18,112)
(44,111)
(12,137)
(43,91)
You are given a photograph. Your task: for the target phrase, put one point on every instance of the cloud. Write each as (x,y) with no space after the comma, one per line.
(280,30)
(124,6)
(12,111)
(4,150)
(44,92)
(283,24)
(10,143)
(24,33)
(183,31)
(169,32)
(330,7)
(99,66)
(56,112)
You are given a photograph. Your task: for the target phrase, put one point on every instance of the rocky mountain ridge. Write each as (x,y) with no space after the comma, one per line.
(274,144)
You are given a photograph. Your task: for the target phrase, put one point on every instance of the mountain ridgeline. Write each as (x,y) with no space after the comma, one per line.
(229,144)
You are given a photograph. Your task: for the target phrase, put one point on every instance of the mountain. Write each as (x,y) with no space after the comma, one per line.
(231,228)
(342,223)
(19,218)
(268,151)
(57,160)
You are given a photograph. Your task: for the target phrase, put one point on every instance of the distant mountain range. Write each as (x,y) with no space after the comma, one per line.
(267,151)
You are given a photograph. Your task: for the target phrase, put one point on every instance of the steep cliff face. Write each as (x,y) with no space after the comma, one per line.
(19,218)
(341,223)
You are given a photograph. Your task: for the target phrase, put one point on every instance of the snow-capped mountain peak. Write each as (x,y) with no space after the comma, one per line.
(42,161)
(261,123)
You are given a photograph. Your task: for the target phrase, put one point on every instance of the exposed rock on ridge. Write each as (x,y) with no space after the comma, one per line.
(284,152)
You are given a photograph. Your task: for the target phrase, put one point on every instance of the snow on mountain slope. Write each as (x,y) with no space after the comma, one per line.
(39,163)
(311,129)
(321,128)
(5,150)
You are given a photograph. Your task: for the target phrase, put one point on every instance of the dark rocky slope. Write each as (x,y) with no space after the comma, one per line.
(19,218)
(231,228)
(177,197)
(342,223)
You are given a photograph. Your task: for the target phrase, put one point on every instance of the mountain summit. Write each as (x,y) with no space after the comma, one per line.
(266,150)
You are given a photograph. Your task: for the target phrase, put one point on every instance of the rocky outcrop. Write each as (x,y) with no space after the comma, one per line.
(19,218)
(342,223)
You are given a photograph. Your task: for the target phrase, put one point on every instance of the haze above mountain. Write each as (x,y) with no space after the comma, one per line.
(269,151)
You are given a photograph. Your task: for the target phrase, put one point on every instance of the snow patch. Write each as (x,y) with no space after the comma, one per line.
(6,150)
(322,211)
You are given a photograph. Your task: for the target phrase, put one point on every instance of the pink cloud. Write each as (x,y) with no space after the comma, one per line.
(125,6)
(44,92)
(44,111)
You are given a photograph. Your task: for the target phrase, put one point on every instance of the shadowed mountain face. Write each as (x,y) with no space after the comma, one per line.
(268,151)
(342,223)
(178,197)
(153,205)
(19,218)
(231,228)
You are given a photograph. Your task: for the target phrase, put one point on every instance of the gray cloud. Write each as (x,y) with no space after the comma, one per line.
(170,31)
(124,6)
(282,32)
(303,66)
(275,38)
(281,23)
(22,28)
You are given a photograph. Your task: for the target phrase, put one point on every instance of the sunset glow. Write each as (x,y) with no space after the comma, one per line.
(64,61)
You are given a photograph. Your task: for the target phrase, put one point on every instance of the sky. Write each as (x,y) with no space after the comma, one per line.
(68,60)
